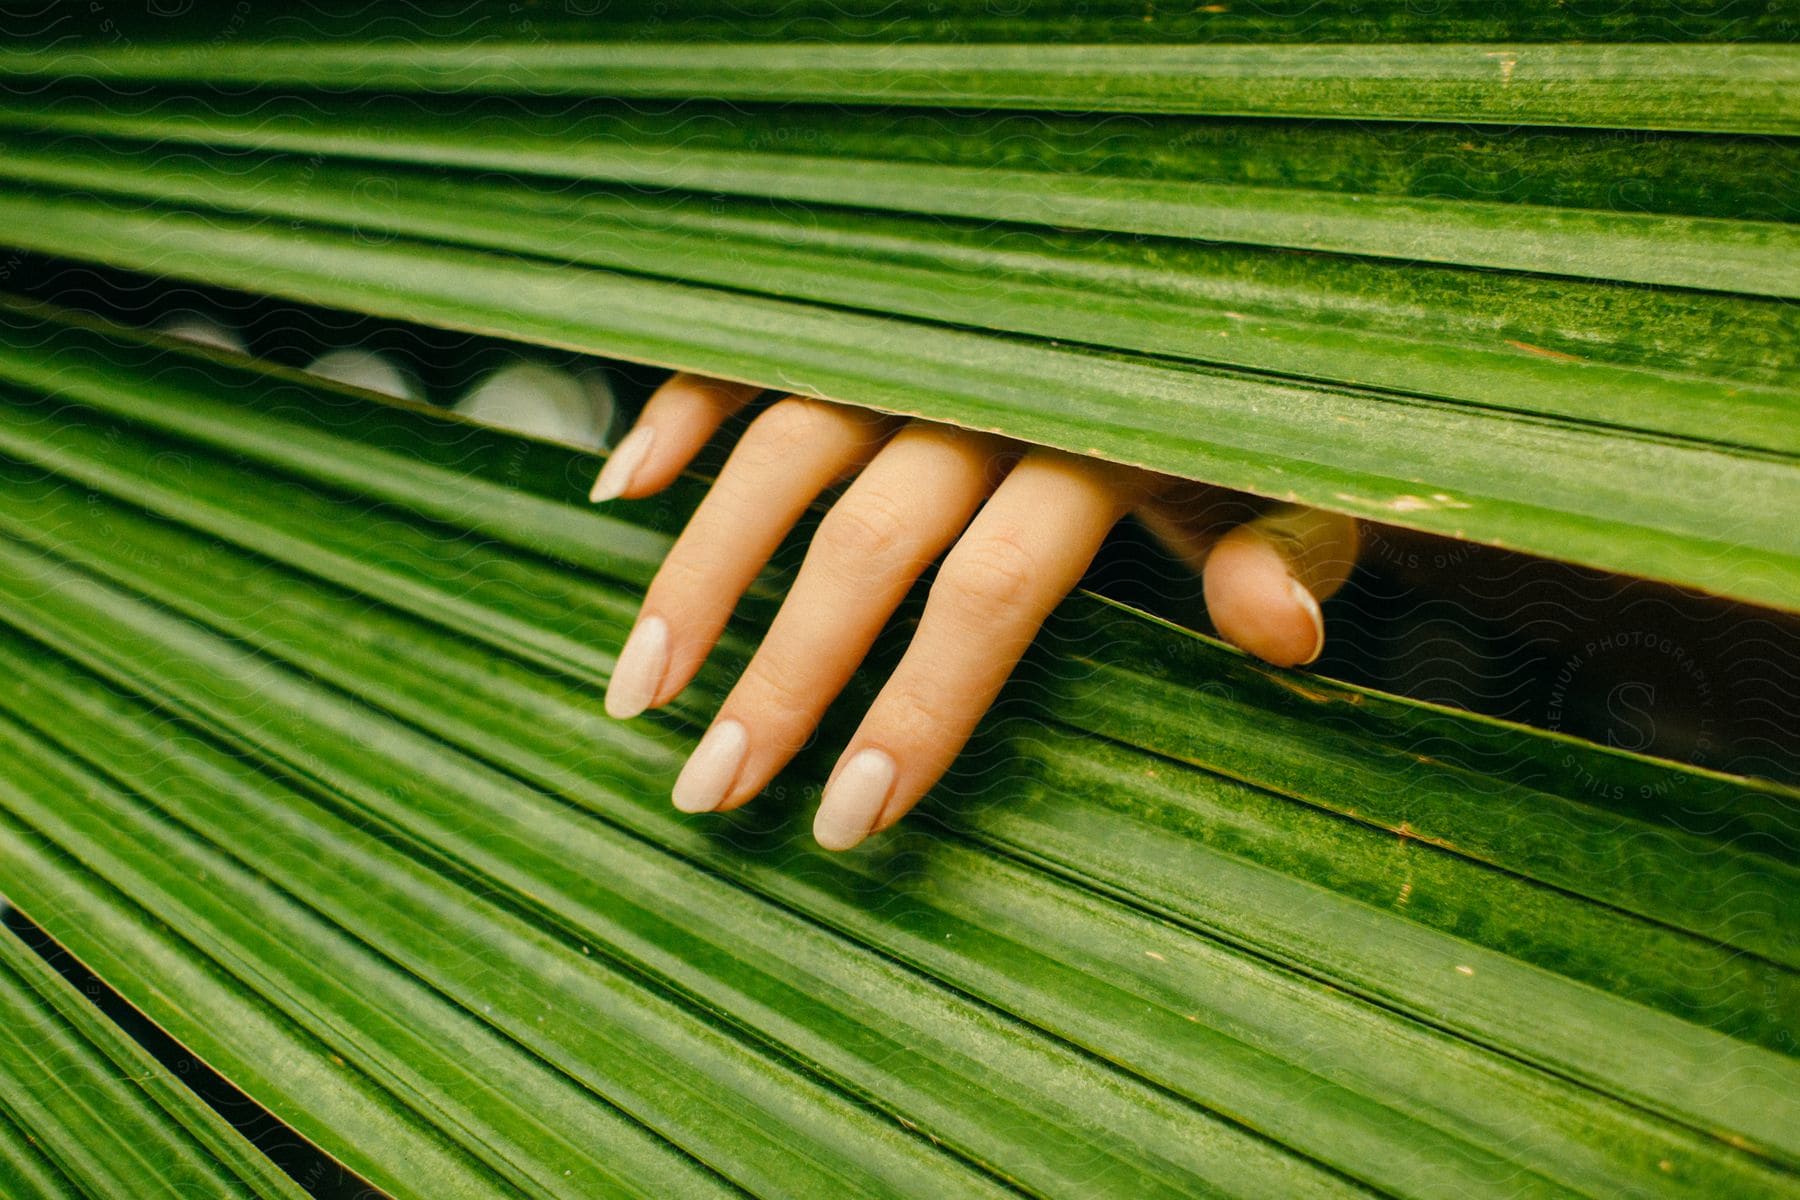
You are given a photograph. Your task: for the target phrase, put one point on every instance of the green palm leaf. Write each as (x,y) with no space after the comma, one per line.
(304,750)
(1729,88)
(404,827)
(1634,358)
(1706,212)
(85,1111)
(1441,469)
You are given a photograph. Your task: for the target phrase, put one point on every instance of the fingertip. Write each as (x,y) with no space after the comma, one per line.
(623,472)
(706,778)
(1257,605)
(1309,604)
(678,419)
(638,671)
(854,799)
(733,802)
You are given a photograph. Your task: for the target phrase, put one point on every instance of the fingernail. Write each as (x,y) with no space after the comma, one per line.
(853,800)
(703,782)
(622,464)
(639,669)
(1310,603)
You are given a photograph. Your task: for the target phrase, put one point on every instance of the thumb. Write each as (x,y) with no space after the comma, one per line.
(1265,578)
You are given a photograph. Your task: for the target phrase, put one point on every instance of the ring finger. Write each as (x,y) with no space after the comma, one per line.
(1020,556)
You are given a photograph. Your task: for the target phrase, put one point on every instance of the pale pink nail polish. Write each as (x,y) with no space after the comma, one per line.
(854,799)
(711,768)
(639,670)
(622,464)
(1310,603)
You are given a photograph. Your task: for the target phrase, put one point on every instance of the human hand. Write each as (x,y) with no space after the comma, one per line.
(1020,524)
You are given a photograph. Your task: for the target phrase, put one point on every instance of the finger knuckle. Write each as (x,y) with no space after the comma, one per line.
(789,426)
(906,719)
(684,578)
(782,701)
(867,531)
(988,577)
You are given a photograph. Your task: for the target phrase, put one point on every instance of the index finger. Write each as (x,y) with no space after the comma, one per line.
(680,417)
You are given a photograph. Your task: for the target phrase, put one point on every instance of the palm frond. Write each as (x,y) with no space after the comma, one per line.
(305,752)
(1722,88)
(400,832)
(84,1110)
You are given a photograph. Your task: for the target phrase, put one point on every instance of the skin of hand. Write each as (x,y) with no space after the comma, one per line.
(1017,526)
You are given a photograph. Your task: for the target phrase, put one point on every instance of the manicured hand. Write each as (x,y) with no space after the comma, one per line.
(1020,526)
